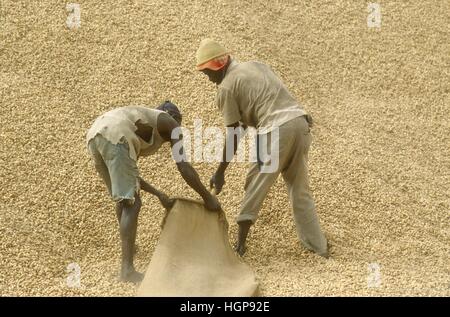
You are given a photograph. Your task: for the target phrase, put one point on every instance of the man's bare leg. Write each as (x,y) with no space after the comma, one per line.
(119,211)
(244,228)
(128,228)
(119,216)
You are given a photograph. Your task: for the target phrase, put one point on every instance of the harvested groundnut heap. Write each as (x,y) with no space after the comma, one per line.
(379,163)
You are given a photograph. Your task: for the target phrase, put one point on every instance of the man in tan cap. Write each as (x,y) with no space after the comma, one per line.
(115,141)
(251,94)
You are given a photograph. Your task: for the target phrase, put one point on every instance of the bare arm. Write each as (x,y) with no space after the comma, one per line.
(231,142)
(169,130)
(163,198)
(149,188)
(229,150)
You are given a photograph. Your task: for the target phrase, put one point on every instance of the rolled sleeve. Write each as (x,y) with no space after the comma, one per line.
(226,102)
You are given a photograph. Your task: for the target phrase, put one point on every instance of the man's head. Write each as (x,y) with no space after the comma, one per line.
(213,60)
(172,110)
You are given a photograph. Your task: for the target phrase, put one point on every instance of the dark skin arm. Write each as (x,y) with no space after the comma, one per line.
(145,132)
(231,141)
(218,179)
(166,125)
(163,198)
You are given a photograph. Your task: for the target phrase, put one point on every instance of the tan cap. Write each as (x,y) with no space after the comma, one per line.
(209,50)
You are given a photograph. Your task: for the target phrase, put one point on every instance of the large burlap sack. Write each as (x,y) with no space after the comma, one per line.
(194,257)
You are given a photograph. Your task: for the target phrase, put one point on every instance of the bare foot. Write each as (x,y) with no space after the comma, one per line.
(240,249)
(131,276)
(325,254)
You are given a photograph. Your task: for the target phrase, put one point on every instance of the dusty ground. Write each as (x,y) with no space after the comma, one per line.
(380,161)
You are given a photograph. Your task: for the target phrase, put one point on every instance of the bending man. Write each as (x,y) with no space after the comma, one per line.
(116,140)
